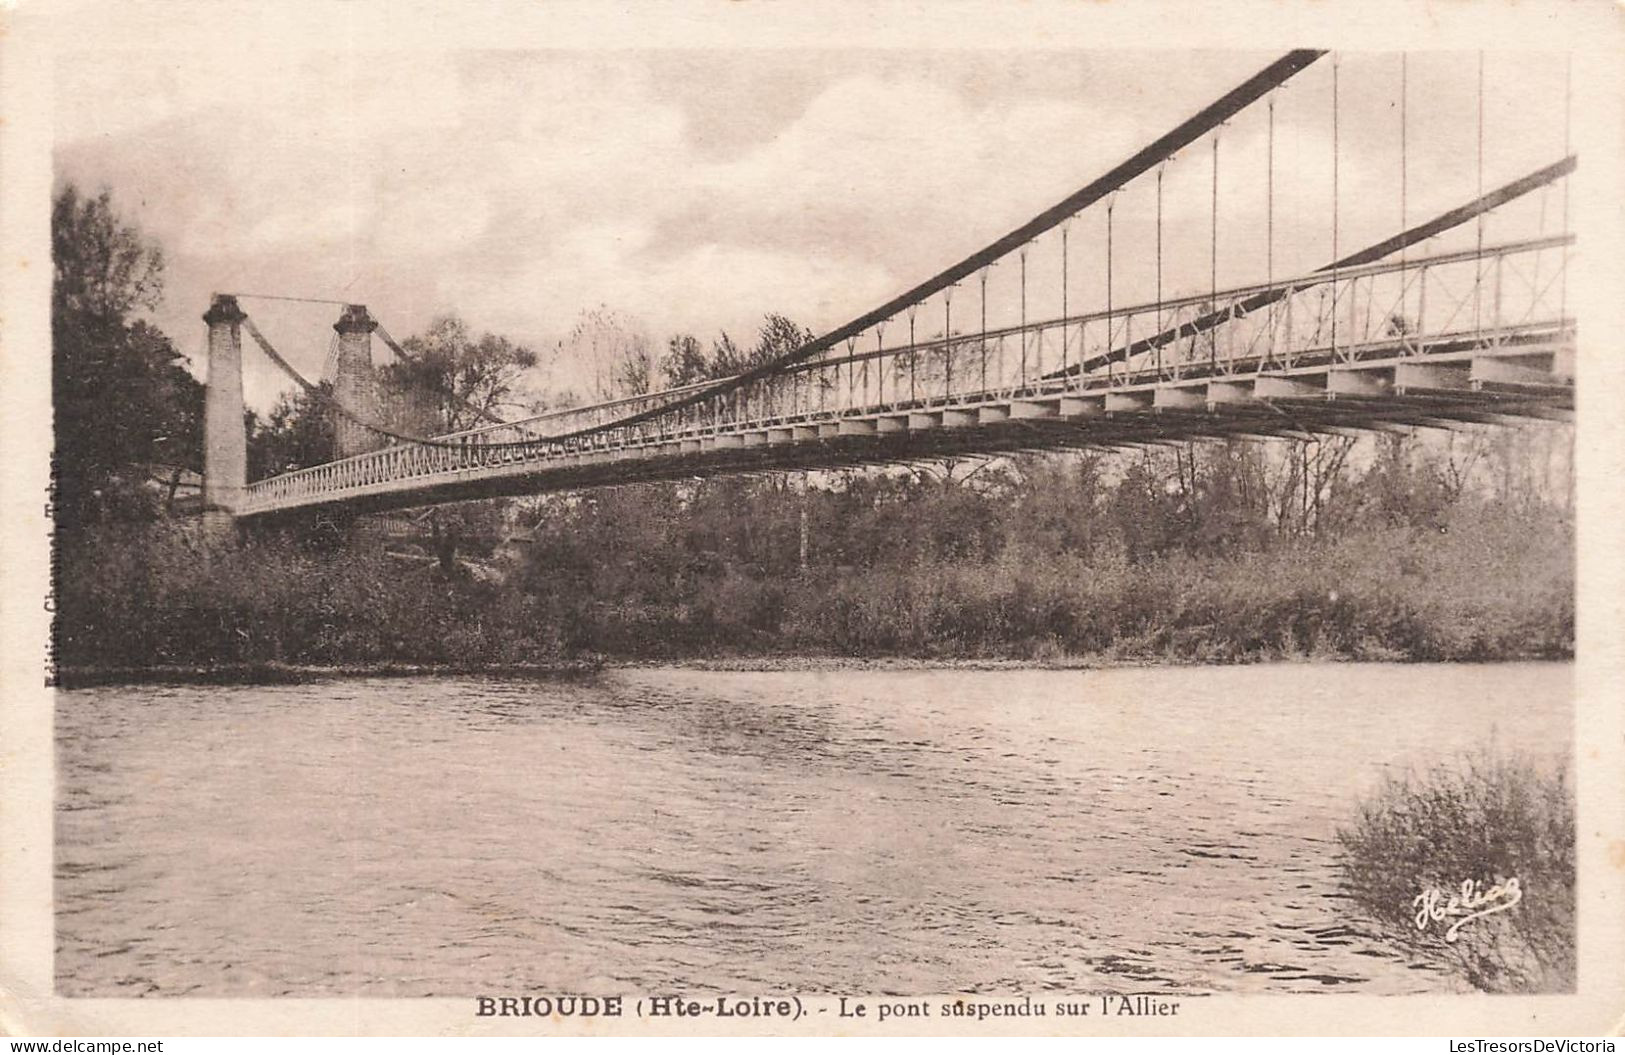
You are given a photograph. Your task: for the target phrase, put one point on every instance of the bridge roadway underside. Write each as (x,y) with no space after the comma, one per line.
(1502,384)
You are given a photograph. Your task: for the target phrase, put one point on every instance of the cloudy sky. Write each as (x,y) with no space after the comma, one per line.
(694,190)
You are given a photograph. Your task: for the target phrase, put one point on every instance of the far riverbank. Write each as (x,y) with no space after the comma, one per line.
(154,603)
(297,674)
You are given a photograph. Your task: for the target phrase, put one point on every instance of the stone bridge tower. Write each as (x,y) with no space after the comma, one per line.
(225,439)
(355,385)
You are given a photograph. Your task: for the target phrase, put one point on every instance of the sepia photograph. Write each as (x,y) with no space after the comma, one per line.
(621,533)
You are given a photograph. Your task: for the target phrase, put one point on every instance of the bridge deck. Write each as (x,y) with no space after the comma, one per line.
(1523,371)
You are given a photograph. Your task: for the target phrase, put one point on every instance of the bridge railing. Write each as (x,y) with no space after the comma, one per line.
(1266,326)
(573,419)
(1339,316)
(1396,308)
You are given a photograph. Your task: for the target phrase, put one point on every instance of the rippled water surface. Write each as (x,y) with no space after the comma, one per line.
(859,832)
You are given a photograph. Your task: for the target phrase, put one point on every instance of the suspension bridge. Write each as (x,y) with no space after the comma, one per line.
(1449,319)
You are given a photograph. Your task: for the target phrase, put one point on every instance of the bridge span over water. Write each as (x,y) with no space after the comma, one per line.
(1394,335)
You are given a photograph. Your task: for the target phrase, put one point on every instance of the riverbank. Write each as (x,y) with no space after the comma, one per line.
(293,674)
(296,674)
(299,674)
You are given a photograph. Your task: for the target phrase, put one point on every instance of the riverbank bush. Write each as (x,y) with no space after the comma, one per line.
(163,594)
(1489,818)
(1394,594)
(1217,554)
(159,594)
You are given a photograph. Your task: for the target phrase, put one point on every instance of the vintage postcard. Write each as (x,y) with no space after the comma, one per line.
(825,519)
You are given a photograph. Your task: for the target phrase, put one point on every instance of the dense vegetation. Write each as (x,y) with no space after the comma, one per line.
(1488,818)
(128,413)
(1043,559)
(1431,546)
(1062,557)
(164,594)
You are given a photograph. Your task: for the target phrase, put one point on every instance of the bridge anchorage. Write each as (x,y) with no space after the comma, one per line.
(1400,333)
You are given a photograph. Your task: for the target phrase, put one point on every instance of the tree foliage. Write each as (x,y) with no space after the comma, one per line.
(296,434)
(454,379)
(126,407)
(1224,551)
(105,269)
(1488,818)
(613,351)
(686,361)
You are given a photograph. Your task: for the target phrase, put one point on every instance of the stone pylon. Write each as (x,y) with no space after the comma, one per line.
(225,439)
(355,385)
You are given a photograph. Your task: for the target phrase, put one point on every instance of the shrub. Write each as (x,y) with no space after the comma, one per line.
(167,594)
(1488,818)
(1479,587)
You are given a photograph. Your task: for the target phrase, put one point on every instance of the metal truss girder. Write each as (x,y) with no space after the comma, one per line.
(1436,377)
(1499,371)
(1356,382)
(1281,387)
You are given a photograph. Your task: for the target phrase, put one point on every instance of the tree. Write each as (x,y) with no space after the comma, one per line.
(453,379)
(727,358)
(685,361)
(613,350)
(296,434)
(104,268)
(777,338)
(125,405)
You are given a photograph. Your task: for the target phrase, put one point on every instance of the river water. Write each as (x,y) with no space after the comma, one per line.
(827,833)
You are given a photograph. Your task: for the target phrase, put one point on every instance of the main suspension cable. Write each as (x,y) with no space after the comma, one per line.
(1420,233)
(1189,131)
(394,346)
(296,300)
